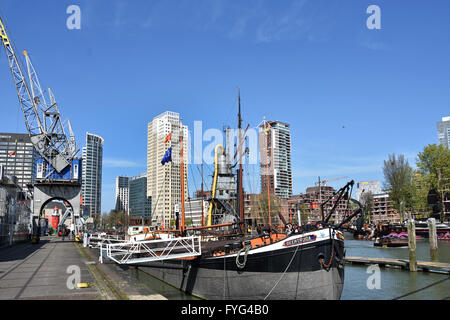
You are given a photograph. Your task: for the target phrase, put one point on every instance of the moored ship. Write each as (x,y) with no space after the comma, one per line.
(294,262)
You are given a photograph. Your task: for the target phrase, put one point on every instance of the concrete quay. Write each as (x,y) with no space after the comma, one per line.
(55,269)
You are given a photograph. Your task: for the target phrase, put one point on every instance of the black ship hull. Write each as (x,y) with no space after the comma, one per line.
(286,270)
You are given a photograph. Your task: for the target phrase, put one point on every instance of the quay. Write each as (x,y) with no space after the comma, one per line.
(426,266)
(63,270)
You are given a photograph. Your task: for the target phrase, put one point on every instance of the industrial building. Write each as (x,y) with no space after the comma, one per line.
(18,158)
(91,187)
(15,211)
(309,204)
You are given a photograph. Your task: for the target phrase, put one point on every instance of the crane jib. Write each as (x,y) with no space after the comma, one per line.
(42,119)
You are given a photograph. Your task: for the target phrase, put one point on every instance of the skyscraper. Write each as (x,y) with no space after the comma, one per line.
(443,128)
(164,181)
(122,192)
(18,158)
(91,187)
(139,203)
(275,156)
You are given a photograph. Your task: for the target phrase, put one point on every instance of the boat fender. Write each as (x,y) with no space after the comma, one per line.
(247,247)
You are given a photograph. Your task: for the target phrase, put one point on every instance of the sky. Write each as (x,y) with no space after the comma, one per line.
(352,95)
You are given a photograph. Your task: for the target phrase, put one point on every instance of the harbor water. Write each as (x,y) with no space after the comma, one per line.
(394,282)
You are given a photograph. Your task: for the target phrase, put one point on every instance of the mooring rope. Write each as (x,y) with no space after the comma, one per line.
(289,264)
(238,263)
(426,287)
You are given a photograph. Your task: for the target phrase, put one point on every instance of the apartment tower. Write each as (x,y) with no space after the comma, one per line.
(275,158)
(164,181)
(122,192)
(91,187)
(443,128)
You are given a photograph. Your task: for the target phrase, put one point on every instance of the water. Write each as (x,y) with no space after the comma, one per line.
(394,282)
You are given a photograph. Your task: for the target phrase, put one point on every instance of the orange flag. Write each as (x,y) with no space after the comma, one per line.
(168,138)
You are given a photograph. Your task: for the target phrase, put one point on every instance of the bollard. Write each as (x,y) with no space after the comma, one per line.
(412,245)
(432,235)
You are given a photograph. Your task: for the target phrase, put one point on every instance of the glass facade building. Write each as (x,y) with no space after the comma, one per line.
(140,205)
(443,128)
(91,187)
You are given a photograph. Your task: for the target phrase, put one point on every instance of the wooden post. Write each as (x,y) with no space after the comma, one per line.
(412,245)
(432,235)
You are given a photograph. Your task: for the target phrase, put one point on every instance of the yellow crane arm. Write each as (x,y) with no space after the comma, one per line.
(214,184)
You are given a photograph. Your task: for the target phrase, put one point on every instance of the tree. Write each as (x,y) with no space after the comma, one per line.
(262,207)
(433,165)
(367,202)
(399,182)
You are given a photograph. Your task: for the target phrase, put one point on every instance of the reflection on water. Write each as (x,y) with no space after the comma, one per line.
(394,282)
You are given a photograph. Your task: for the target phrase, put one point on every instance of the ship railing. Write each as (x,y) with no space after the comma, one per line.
(134,252)
(95,241)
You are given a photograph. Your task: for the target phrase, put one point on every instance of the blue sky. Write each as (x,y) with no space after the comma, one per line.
(352,95)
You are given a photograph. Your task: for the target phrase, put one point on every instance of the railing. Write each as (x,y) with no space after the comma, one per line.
(98,241)
(127,252)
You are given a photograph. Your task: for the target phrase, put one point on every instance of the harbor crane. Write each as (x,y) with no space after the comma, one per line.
(58,172)
(323,182)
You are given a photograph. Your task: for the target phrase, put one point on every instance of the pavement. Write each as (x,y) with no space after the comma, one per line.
(52,270)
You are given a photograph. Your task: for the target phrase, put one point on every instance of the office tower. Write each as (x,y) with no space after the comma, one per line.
(443,128)
(373,187)
(164,181)
(139,203)
(18,158)
(275,158)
(122,192)
(91,187)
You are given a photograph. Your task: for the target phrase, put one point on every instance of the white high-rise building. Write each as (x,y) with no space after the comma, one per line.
(443,128)
(122,194)
(373,187)
(275,165)
(164,181)
(91,187)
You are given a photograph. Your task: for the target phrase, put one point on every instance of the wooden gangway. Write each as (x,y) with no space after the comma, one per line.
(426,266)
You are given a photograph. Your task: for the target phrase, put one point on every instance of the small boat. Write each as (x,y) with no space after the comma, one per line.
(390,242)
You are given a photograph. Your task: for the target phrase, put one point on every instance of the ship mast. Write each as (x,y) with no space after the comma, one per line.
(203,218)
(182,183)
(240,191)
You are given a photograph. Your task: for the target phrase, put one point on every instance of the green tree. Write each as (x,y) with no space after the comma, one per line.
(399,183)
(433,171)
(433,164)
(367,202)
